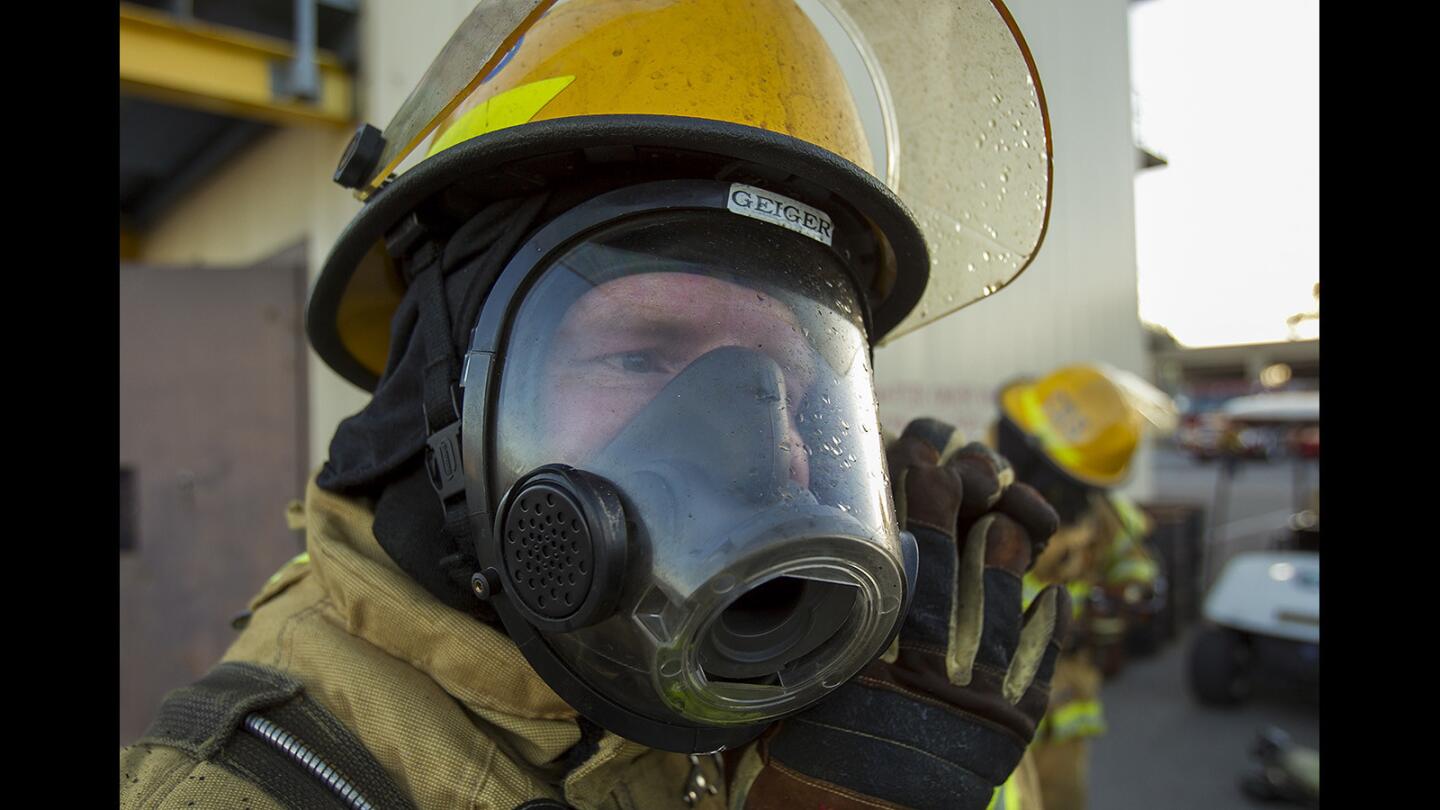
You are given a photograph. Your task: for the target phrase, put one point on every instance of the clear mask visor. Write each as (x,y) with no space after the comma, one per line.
(716,371)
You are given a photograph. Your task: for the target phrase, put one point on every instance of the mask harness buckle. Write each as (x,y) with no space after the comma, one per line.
(490,239)
(441,401)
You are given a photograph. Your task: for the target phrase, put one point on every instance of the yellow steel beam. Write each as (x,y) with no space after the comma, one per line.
(222,70)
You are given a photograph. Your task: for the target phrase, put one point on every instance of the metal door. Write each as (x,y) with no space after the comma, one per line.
(212,447)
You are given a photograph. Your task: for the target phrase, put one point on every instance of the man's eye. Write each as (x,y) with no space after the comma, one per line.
(634,362)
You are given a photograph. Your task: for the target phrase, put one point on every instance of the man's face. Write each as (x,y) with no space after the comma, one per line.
(626,339)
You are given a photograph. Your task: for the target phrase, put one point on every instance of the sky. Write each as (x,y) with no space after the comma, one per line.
(1227,235)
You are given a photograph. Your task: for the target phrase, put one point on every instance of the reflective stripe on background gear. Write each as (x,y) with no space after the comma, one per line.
(1130,569)
(1022,790)
(1079,593)
(1006,798)
(1082,718)
(1126,558)
(1132,518)
(1075,709)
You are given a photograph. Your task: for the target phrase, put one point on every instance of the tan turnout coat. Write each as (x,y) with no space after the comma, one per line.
(446,704)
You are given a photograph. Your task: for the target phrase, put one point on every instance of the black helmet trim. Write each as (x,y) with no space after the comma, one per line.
(1068,494)
(530,157)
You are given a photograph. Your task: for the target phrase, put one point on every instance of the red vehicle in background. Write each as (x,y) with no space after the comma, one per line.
(1258,426)
(1199,435)
(1306,442)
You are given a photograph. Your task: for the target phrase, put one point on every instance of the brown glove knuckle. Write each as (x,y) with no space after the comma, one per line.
(1007,545)
(932,496)
(982,484)
(1023,503)
(908,451)
(930,431)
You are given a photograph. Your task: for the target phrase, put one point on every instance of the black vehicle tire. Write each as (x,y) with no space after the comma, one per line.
(1219,663)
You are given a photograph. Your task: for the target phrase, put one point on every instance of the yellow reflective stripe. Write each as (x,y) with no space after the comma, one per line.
(1081,718)
(1132,517)
(1131,570)
(1079,595)
(1030,587)
(510,108)
(1039,424)
(1007,796)
(303,558)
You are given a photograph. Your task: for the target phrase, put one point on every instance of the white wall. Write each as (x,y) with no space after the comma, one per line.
(1077,302)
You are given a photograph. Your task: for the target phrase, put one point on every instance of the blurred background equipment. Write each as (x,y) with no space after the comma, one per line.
(1263,616)
(1263,610)
(1283,427)
(1204,380)
(1288,772)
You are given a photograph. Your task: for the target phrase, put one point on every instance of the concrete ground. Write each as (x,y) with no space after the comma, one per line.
(1164,750)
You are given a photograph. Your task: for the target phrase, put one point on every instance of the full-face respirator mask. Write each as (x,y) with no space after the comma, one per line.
(669,400)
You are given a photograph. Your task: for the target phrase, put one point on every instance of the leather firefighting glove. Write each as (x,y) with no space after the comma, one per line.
(942,718)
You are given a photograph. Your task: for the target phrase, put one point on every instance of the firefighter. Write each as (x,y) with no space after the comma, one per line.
(1073,435)
(617,528)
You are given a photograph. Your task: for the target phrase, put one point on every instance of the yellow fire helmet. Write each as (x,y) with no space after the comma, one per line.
(927,129)
(1087,419)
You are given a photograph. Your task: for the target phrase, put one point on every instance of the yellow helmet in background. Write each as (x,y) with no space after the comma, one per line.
(1087,419)
(933,137)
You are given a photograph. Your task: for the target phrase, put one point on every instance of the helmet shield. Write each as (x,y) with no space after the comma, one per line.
(968,137)
(714,370)
(476,48)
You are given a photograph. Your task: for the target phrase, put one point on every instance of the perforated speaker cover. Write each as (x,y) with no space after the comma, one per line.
(549,557)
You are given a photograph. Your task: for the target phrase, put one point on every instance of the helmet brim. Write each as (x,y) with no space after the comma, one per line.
(574,145)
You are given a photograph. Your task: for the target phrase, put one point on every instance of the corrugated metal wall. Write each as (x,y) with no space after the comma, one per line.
(1077,302)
